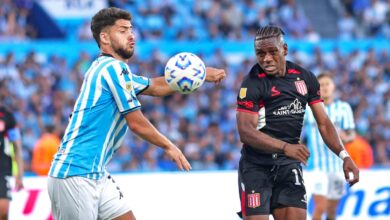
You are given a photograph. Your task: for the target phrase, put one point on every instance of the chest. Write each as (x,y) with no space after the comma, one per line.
(290,92)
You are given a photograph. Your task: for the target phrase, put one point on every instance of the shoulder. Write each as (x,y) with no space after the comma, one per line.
(342,104)
(293,68)
(117,67)
(256,74)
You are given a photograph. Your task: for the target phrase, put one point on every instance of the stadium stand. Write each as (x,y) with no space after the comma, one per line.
(41,83)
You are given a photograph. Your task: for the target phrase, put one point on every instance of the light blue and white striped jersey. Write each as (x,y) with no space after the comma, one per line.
(97,125)
(321,158)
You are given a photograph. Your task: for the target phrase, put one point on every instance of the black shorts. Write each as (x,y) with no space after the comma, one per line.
(264,188)
(5,187)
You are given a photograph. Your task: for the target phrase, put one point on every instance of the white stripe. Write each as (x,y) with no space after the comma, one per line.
(333,117)
(79,119)
(105,145)
(114,145)
(114,89)
(261,121)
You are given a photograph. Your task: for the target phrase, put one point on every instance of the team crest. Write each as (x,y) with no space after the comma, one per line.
(128,86)
(242,93)
(253,200)
(301,87)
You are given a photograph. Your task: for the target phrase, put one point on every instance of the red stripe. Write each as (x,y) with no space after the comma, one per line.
(261,75)
(243,209)
(293,71)
(315,101)
(246,111)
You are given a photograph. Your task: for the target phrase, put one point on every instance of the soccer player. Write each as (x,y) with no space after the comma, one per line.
(329,187)
(9,137)
(78,184)
(271,106)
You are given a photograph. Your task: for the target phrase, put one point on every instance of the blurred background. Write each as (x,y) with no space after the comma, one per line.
(46,47)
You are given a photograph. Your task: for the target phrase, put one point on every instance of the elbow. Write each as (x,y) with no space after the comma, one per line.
(244,137)
(135,128)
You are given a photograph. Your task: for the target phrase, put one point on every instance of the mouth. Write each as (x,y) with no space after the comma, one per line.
(269,68)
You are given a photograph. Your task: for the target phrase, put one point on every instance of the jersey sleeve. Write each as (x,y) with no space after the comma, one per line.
(140,83)
(249,98)
(347,122)
(121,85)
(313,89)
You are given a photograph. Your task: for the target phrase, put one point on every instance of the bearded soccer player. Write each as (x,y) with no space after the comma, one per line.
(270,109)
(79,185)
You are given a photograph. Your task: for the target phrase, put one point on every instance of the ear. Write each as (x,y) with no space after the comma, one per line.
(104,38)
(285,49)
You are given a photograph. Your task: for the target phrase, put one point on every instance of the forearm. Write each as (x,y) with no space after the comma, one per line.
(262,141)
(18,157)
(158,87)
(330,136)
(144,129)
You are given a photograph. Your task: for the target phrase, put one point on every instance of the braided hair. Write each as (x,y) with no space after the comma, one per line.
(268,31)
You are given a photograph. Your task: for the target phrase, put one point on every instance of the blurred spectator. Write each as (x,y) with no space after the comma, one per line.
(13,20)
(42,88)
(44,150)
(361,152)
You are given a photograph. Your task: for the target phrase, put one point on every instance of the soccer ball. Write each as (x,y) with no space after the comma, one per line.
(185,72)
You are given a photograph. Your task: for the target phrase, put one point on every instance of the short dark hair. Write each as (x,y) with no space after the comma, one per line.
(268,32)
(325,74)
(107,17)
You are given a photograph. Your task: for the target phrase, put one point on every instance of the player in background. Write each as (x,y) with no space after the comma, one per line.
(79,185)
(329,185)
(270,110)
(9,137)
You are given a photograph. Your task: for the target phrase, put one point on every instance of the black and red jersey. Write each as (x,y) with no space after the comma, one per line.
(280,103)
(7,122)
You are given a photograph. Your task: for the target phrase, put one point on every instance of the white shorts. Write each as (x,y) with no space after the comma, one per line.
(330,185)
(81,198)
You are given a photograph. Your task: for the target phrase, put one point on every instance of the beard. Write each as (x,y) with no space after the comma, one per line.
(122,52)
(125,54)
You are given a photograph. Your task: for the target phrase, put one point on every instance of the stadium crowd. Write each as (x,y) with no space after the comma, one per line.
(42,91)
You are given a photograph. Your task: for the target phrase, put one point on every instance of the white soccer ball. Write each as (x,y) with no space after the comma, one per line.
(185,72)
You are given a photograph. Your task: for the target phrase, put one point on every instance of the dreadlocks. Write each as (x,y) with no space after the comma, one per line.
(268,32)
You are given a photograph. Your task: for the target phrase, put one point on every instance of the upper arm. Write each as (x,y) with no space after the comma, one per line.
(319,113)
(121,86)
(249,102)
(314,95)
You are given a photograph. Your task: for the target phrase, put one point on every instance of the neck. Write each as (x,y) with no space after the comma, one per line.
(105,51)
(328,100)
(282,73)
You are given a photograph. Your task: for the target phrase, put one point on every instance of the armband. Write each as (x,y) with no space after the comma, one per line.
(343,154)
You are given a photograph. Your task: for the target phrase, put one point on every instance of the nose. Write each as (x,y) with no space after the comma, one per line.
(132,35)
(267,57)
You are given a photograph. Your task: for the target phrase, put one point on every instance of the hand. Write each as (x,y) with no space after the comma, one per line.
(18,183)
(177,156)
(298,152)
(214,74)
(349,166)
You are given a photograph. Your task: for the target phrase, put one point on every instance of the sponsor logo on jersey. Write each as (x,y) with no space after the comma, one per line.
(294,108)
(242,93)
(253,200)
(301,87)
(274,91)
